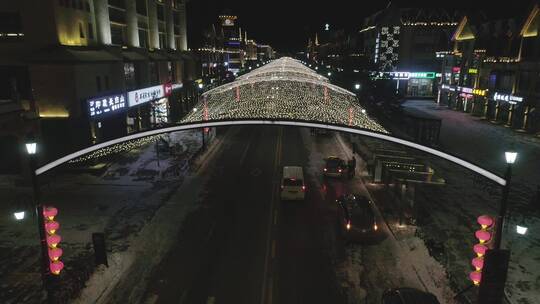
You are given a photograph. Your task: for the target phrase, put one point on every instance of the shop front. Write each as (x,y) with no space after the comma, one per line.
(117,115)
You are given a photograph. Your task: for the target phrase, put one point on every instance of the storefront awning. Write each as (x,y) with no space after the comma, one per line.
(63,54)
(133,56)
(157,56)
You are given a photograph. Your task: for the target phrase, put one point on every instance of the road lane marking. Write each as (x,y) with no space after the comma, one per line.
(267,285)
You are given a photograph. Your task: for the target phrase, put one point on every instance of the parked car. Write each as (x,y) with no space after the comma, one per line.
(356,216)
(334,167)
(408,296)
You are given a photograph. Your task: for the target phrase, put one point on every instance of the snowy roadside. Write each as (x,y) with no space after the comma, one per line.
(119,203)
(446,222)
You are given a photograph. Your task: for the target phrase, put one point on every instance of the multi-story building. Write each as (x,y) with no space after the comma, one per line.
(92,70)
(227,50)
(493,69)
(265,52)
(401,44)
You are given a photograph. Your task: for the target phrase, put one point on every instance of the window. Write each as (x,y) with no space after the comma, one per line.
(90,31)
(162,40)
(154,76)
(160,12)
(141,7)
(143,38)
(98,83)
(81,31)
(129,75)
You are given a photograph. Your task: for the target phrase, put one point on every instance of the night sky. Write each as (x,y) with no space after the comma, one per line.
(286,24)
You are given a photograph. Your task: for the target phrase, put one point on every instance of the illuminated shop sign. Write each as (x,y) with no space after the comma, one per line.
(426,75)
(473,71)
(141,96)
(456,70)
(100,106)
(511,99)
(464,90)
(409,75)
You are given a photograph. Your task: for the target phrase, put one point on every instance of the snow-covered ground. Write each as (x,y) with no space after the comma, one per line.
(119,202)
(447,215)
(397,260)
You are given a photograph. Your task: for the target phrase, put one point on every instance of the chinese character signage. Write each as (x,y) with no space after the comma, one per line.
(141,96)
(511,99)
(100,106)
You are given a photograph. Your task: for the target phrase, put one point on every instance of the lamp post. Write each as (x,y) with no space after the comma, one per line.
(31,149)
(511,157)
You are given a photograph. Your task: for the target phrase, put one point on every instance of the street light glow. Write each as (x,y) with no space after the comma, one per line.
(19,216)
(201,86)
(510,157)
(31,148)
(329,74)
(521,230)
(357,86)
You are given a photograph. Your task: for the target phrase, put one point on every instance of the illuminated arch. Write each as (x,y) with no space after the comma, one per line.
(386,137)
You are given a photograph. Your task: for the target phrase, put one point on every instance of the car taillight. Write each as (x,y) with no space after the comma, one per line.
(348,225)
(325,169)
(303,188)
(375,227)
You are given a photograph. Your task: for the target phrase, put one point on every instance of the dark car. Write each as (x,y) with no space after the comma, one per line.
(356,215)
(408,296)
(334,167)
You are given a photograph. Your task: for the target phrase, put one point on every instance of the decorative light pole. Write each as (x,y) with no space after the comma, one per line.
(31,149)
(511,157)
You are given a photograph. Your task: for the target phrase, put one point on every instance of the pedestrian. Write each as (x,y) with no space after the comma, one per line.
(353,166)
(350,169)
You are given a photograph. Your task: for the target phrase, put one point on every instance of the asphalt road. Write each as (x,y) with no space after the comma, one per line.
(243,245)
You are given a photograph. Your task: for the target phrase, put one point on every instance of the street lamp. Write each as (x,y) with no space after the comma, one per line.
(19,215)
(329,74)
(357,86)
(521,230)
(31,149)
(510,157)
(201,86)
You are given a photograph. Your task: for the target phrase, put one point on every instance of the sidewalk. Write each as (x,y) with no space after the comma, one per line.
(120,202)
(447,215)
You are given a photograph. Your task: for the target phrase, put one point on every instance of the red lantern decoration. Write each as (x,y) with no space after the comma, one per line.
(53,240)
(50,213)
(483,236)
(476,277)
(56,267)
(485,221)
(478,263)
(51,227)
(480,249)
(55,254)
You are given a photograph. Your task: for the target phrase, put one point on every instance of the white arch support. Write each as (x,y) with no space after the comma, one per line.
(489,175)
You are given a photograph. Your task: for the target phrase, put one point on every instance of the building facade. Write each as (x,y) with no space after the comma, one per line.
(401,44)
(85,58)
(493,70)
